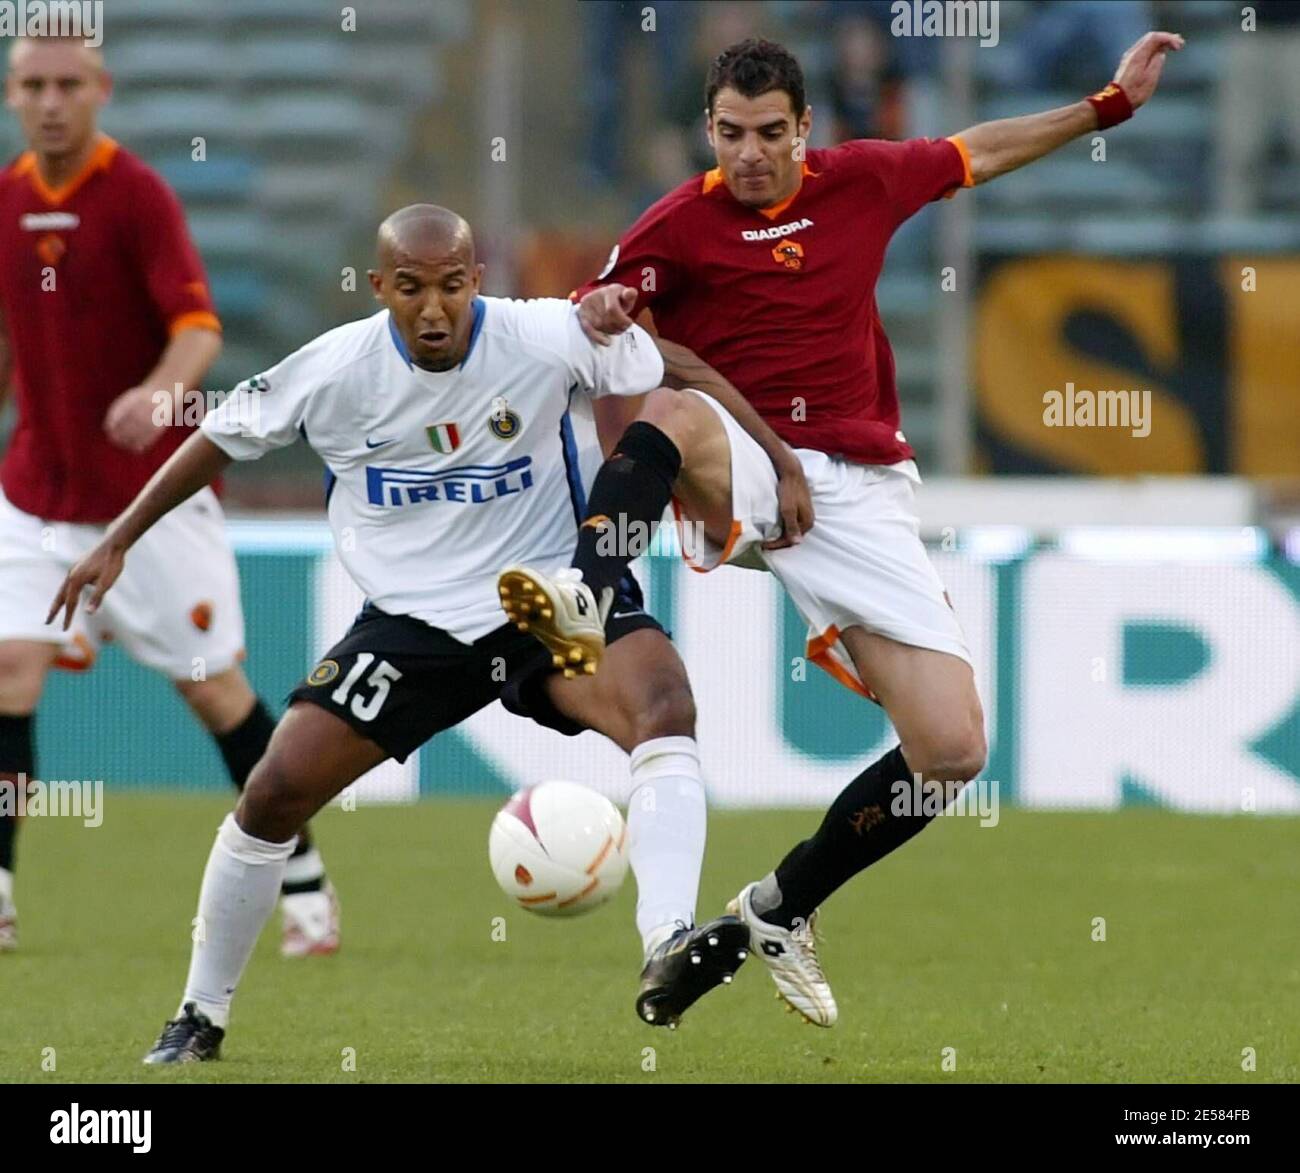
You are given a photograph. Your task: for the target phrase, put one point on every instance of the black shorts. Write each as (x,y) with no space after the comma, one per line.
(398,681)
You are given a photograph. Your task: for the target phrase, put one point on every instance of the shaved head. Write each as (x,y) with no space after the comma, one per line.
(21,46)
(424,233)
(428,278)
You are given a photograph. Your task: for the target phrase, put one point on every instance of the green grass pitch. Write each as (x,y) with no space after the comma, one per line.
(975,939)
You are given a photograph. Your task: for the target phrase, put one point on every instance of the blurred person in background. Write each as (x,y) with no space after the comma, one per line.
(613,30)
(104,311)
(680,147)
(865,86)
(1259,95)
(1059,42)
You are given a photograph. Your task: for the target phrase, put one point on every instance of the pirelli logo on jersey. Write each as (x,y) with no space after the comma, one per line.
(471,484)
(776,233)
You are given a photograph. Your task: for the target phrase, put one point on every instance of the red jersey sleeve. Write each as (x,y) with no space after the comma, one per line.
(912,173)
(173,272)
(645,259)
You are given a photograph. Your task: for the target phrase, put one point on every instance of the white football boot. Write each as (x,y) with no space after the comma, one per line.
(791,959)
(311,923)
(560,611)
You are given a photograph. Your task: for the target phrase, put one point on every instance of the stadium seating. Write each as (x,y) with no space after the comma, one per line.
(307,126)
(303,125)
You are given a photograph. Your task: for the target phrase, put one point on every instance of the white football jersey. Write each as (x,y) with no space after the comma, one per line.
(438,480)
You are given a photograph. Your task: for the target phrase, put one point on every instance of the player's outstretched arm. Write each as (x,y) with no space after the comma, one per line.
(194,464)
(684,368)
(994,148)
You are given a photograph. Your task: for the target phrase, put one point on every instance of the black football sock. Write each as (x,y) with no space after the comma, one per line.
(634,485)
(305,871)
(17,756)
(860,828)
(242,748)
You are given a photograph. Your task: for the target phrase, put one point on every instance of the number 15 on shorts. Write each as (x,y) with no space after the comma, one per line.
(381,680)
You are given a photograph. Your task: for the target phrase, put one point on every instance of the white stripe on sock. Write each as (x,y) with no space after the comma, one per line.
(304,867)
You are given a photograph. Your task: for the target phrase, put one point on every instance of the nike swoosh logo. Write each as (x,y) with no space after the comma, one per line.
(377,443)
(625,614)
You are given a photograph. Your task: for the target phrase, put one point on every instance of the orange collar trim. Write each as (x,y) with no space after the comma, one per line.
(99,160)
(714,177)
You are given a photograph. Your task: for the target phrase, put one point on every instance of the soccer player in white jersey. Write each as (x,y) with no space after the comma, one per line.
(443,421)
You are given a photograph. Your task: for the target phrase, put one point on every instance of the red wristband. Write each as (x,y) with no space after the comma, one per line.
(1112,106)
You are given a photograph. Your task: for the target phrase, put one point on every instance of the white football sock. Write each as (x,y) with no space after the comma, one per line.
(240,886)
(6,889)
(666,819)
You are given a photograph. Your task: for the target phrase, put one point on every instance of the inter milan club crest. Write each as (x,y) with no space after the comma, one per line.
(324,672)
(503,423)
(444,438)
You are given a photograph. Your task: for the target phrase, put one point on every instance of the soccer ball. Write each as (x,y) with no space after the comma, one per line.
(558,849)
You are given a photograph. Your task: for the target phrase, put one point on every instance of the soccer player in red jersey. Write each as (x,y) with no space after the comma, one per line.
(765,270)
(103,305)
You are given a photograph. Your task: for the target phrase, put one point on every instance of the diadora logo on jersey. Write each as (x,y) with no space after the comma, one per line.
(788,253)
(471,484)
(49,221)
(444,438)
(503,423)
(777,232)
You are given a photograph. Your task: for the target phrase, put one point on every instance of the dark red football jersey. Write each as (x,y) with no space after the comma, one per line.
(95,277)
(782,301)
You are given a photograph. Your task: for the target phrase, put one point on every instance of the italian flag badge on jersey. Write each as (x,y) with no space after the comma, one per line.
(444,438)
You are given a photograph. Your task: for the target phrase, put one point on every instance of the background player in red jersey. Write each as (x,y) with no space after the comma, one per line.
(104,302)
(766,268)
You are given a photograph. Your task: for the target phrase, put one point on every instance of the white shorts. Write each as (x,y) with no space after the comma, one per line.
(175,606)
(862,563)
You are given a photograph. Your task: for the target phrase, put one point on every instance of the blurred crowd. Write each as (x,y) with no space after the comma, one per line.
(864,82)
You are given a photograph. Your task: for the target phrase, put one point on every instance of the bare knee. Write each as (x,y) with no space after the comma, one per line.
(666,709)
(954,755)
(221,702)
(23,666)
(279,798)
(671,411)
